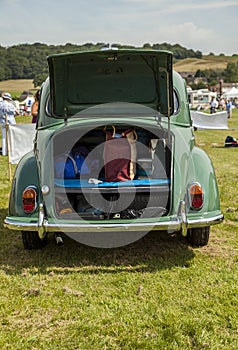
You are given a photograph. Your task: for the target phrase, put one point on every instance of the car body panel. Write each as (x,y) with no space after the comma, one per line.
(26,174)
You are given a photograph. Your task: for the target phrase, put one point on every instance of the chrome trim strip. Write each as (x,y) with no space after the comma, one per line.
(172,225)
(89,227)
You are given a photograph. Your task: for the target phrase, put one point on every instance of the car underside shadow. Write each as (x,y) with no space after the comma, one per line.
(153,252)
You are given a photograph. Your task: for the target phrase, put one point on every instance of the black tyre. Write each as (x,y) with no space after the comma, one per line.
(31,240)
(198,237)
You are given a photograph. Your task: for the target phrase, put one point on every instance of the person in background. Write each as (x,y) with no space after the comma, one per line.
(213,105)
(222,104)
(229,108)
(7,116)
(34,107)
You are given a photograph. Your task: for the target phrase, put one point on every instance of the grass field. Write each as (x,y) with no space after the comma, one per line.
(16,87)
(206,62)
(157,293)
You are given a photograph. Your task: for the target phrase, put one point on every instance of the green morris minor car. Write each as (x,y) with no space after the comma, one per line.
(114,155)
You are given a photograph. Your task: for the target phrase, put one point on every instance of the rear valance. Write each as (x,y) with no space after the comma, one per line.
(83,79)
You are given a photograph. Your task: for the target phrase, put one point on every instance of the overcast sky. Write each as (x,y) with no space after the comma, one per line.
(204,25)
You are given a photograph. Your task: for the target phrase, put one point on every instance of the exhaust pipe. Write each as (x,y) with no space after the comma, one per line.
(59,240)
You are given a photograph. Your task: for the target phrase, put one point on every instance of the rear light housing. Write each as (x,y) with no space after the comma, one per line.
(195,195)
(29,199)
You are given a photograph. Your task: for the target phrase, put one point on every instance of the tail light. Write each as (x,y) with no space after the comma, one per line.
(195,194)
(29,199)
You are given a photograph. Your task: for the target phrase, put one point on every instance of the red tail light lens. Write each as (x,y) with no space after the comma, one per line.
(29,200)
(196,196)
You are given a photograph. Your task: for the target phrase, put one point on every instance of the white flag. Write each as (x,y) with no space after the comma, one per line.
(216,120)
(20,140)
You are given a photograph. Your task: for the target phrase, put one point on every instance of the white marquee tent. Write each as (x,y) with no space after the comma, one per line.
(232,93)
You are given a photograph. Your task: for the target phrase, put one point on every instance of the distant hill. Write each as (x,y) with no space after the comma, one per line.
(218,63)
(29,61)
(206,62)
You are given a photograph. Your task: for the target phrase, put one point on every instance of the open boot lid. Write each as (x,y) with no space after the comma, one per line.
(80,80)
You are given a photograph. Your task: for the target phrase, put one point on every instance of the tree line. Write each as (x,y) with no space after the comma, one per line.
(29,61)
(228,75)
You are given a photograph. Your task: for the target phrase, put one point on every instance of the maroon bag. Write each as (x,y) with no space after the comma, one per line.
(120,155)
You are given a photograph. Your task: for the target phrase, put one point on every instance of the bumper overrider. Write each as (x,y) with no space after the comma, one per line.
(171,223)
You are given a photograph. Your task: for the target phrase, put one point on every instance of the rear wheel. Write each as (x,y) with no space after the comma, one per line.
(31,240)
(198,237)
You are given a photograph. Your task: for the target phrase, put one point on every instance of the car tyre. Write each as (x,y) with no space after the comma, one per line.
(198,237)
(31,240)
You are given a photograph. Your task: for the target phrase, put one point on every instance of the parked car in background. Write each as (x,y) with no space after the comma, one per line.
(114,155)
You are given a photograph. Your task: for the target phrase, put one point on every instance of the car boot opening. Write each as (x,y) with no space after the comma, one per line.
(112,172)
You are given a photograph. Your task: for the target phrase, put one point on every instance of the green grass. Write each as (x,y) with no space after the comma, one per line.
(157,293)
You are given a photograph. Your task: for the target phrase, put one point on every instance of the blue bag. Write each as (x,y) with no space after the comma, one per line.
(70,167)
(81,164)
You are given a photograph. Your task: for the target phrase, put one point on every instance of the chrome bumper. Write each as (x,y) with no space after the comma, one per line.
(171,225)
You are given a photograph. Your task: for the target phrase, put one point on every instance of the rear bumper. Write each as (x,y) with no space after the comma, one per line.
(164,224)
